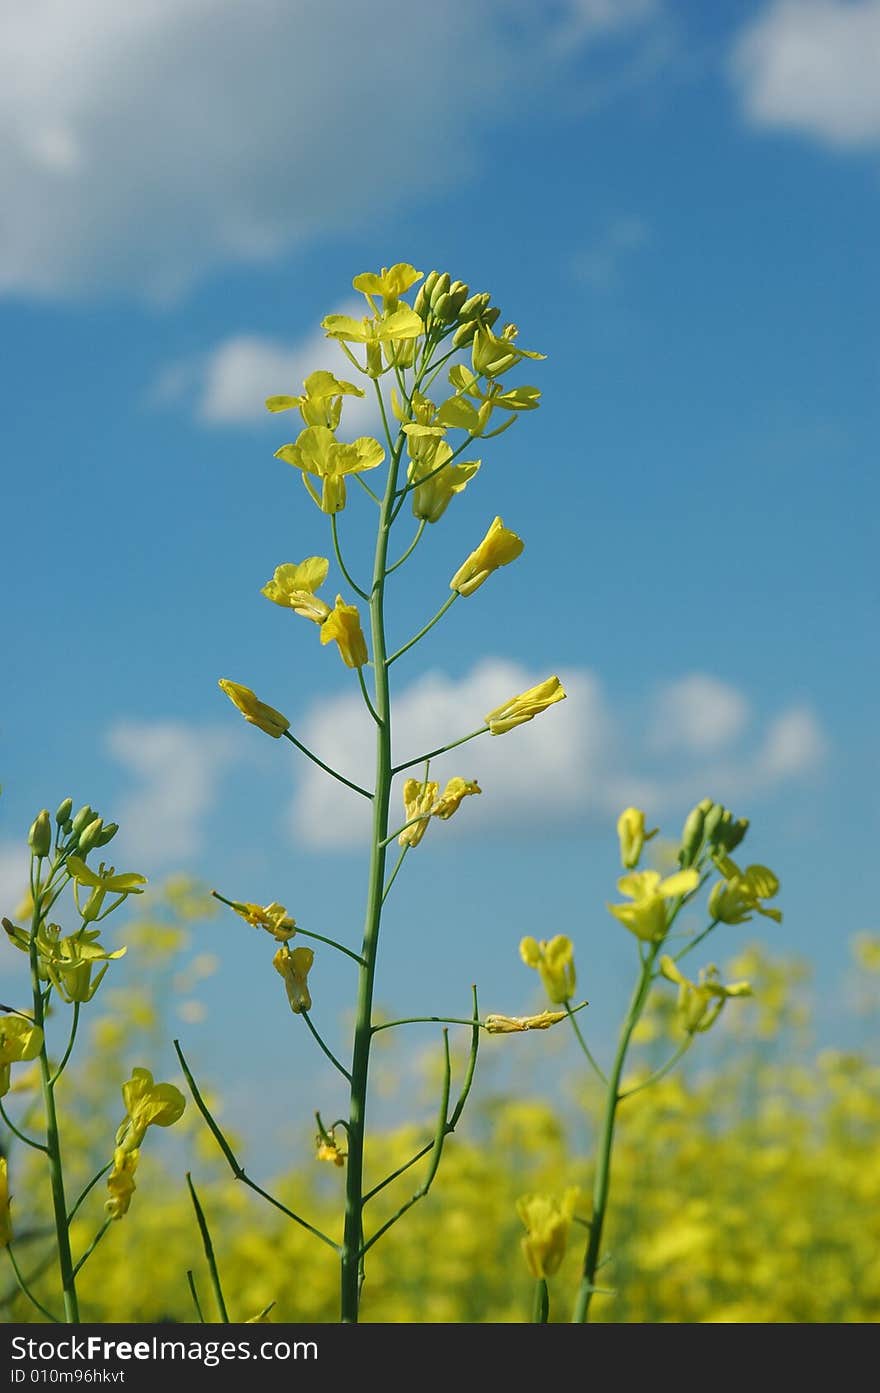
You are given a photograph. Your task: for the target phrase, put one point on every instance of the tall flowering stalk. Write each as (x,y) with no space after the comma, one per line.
(430,419)
(66,970)
(651,906)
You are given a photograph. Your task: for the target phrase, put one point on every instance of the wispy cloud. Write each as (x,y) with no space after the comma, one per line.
(811,66)
(172,137)
(600,264)
(177,768)
(580,759)
(228,384)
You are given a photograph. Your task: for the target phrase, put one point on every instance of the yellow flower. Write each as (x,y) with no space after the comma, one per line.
(432,498)
(393,330)
(525,706)
(344,625)
(461,411)
(700,1003)
(257,712)
(547,1222)
(317,452)
(147,1104)
(5,1220)
(491,356)
(101,882)
(734,900)
(632,834)
(646,918)
(510,1025)
(120,1182)
(274,918)
(418,801)
(294,967)
(499,547)
(327,1150)
(69,967)
(293,587)
(20,1040)
(390,284)
(554,960)
(450,799)
(321,404)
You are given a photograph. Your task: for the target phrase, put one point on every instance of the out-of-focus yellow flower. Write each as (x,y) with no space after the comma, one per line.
(147,1104)
(700,1003)
(498,548)
(265,717)
(328,1150)
(5,1219)
(293,587)
(632,834)
(343,624)
(554,960)
(390,283)
(69,968)
(512,1025)
(120,1182)
(734,900)
(321,403)
(432,498)
(547,1222)
(525,706)
(646,918)
(491,356)
(294,967)
(418,801)
(866,951)
(318,453)
(450,799)
(20,1040)
(274,918)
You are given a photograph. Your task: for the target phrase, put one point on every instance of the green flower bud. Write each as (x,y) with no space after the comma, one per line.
(40,835)
(464,334)
(83,818)
(88,838)
(107,834)
(692,836)
(730,833)
(445,309)
(713,820)
(475,306)
(64,811)
(491,316)
(439,289)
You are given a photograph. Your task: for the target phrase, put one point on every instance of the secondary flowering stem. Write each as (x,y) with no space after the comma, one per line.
(441,750)
(326,767)
(427,628)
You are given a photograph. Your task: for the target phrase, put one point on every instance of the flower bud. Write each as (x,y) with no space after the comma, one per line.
(713,818)
(88,838)
(107,834)
(464,334)
(474,307)
(40,835)
(64,811)
(692,836)
(82,819)
(730,833)
(439,289)
(422,301)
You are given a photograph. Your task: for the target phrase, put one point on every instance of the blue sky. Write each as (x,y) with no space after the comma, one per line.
(677,203)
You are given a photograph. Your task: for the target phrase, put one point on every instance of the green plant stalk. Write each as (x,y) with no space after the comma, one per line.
(53,1140)
(363,1032)
(602,1182)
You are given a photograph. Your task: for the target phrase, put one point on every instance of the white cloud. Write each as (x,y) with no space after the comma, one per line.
(147,143)
(813,66)
(698,713)
(229,384)
(14,862)
(599,265)
(577,759)
(178,768)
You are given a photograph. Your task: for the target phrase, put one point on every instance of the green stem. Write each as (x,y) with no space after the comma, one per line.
(325,1048)
(209,1251)
(304,933)
(541,1312)
(420,1020)
(237,1170)
(366,696)
(360,1065)
(304,749)
(53,1140)
(26,1289)
(74,1023)
(689,947)
(92,1183)
(334,531)
(427,628)
(93,1245)
(660,1073)
(441,750)
(366,487)
(393,876)
(410,549)
(195,1296)
(583,1044)
(602,1180)
(28,1141)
